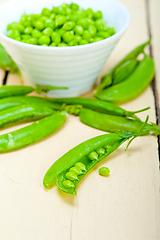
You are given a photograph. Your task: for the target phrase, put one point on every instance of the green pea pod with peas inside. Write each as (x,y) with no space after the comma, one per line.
(133,86)
(110,123)
(23,113)
(98,105)
(20,90)
(10,102)
(32,133)
(127,68)
(73,165)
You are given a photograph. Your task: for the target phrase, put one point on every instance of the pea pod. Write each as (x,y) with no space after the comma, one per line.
(32,133)
(81,159)
(10,102)
(133,86)
(110,123)
(23,113)
(98,105)
(108,78)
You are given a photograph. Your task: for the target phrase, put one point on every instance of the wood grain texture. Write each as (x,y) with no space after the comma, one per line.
(124,206)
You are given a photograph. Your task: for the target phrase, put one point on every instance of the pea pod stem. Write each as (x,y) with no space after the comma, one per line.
(110,123)
(133,86)
(23,113)
(32,133)
(97,105)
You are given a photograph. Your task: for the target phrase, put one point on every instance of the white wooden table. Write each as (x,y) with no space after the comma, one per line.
(124,206)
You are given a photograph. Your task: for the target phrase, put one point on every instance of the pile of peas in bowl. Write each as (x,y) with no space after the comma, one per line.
(62,26)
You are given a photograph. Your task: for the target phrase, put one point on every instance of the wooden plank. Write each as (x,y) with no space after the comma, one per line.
(121,207)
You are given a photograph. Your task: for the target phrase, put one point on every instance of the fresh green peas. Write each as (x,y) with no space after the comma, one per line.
(90,13)
(68,36)
(49,23)
(53,16)
(28,30)
(60,20)
(44,39)
(72,43)
(68,25)
(56,38)
(46,12)
(104,171)
(10,26)
(62,45)
(103,34)
(68,184)
(83,42)
(73,17)
(75,170)
(13,33)
(53,44)
(83,22)
(100,151)
(33,41)
(71,176)
(93,156)
(47,31)
(25,36)
(111,31)
(78,30)
(39,25)
(100,25)
(81,166)
(77,38)
(19,27)
(92,29)
(61,31)
(86,35)
(97,39)
(36,33)
(97,15)
(74,6)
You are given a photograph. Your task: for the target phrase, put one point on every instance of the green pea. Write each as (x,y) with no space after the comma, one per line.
(90,13)
(43,18)
(97,39)
(19,27)
(81,166)
(92,29)
(39,25)
(91,40)
(100,25)
(86,35)
(53,16)
(93,156)
(25,36)
(68,184)
(104,171)
(72,43)
(83,23)
(60,20)
(103,34)
(27,21)
(74,6)
(89,21)
(83,42)
(28,30)
(11,26)
(97,15)
(77,38)
(71,176)
(74,17)
(53,44)
(36,33)
(44,39)
(56,38)
(68,36)
(78,30)
(76,170)
(33,41)
(49,23)
(48,31)
(100,151)
(111,31)
(46,12)
(62,10)
(62,45)
(106,146)
(68,25)
(44,45)
(13,33)
(18,38)
(61,31)
(24,41)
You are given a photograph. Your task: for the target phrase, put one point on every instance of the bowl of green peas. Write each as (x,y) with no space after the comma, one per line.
(61,43)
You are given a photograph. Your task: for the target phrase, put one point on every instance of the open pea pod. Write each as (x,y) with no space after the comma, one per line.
(73,165)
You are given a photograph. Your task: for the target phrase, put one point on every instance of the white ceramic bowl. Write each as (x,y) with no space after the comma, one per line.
(74,67)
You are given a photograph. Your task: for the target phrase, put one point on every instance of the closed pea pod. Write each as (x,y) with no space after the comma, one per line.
(133,86)
(32,133)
